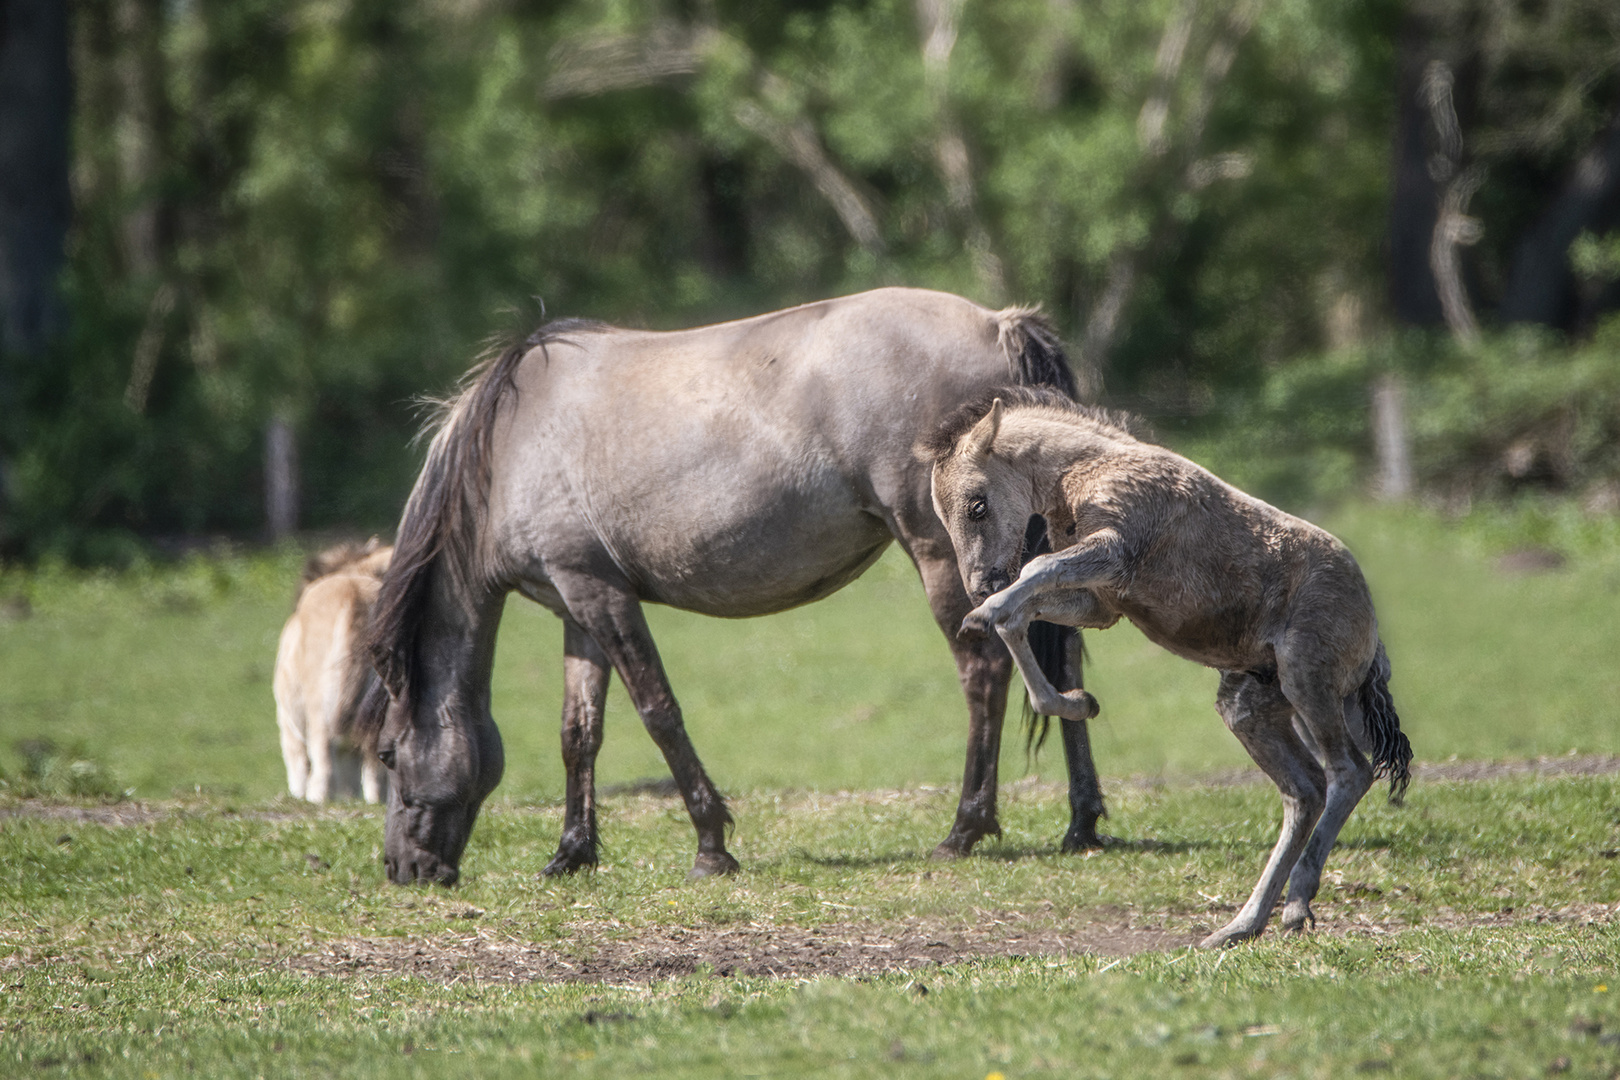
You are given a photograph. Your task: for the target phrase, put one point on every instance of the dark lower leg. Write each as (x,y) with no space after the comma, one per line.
(585,685)
(984,683)
(1085,794)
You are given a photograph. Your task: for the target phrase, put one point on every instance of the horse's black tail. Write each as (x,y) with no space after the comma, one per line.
(1052,646)
(1038,358)
(1390,751)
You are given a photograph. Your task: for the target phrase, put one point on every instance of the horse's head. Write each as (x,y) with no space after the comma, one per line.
(985,504)
(442,760)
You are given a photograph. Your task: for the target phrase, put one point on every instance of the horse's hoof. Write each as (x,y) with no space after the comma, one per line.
(949,852)
(1074,842)
(712,864)
(568,863)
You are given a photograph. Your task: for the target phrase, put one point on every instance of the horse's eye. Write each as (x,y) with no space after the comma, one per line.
(977,509)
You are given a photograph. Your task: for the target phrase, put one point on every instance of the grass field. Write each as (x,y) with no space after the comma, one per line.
(162,678)
(206,925)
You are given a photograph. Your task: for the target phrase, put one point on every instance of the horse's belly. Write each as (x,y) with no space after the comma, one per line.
(751,556)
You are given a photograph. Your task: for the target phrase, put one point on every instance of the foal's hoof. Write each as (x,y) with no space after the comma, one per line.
(1297,918)
(1083,704)
(1228,936)
(712,864)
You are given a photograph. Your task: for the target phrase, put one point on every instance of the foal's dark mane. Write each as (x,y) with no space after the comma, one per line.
(942,442)
(443,519)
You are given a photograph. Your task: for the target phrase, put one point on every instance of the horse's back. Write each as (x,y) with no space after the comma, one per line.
(743,467)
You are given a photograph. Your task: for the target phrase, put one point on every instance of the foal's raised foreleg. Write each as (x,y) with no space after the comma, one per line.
(1259,715)
(1066,608)
(585,686)
(613,619)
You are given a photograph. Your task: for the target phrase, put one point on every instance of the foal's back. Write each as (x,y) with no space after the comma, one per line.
(1219,575)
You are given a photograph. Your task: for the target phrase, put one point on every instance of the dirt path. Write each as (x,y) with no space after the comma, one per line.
(601,954)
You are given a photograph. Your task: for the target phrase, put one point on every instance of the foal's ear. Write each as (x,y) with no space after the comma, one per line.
(984,432)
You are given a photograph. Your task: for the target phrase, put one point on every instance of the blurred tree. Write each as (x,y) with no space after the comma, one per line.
(300,215)
(35,101)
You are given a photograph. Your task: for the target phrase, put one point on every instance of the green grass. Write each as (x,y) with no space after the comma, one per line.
(163,948)
(1483,939)
(162,677)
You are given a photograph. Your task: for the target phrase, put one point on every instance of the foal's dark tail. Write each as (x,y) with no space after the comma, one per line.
(1038,359)
(1391,753)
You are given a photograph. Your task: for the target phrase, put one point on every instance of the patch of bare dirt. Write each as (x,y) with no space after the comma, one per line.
(594,954)
(666,952)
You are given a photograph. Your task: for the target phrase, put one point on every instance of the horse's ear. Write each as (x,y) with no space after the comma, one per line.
(984,432)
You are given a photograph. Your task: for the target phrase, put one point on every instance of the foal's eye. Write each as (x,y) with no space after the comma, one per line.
(977,509)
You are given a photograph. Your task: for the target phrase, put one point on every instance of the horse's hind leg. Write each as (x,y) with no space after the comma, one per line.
(614,620)
(1259,715)
(585,687)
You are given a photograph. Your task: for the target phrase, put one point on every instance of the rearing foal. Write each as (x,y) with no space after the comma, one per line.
(732,470)
(1278,606)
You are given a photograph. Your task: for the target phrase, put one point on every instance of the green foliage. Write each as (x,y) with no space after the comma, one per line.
(320,210)
(1521,415)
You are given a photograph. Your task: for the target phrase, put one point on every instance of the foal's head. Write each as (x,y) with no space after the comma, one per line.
(984,502)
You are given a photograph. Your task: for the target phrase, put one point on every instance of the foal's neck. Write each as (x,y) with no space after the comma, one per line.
(1045,446)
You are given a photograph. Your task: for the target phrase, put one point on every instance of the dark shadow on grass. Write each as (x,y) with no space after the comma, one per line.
(996,852)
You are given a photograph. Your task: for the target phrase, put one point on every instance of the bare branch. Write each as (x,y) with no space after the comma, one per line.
(147,347)
(596,64)
(1452,225)
(798,143)
(937,23)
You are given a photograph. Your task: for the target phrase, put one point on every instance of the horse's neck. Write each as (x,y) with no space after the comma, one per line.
(455,641)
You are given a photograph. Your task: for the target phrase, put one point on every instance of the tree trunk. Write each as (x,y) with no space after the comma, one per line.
(1390,437)
(1541,284)
(1414,193)
(36,96)
(280,479)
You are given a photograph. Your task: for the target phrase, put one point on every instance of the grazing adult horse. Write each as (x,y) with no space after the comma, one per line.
(322,673)
(734,470)
(1274,603)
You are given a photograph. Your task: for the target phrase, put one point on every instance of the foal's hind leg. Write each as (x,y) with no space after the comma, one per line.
(585,686)
(1349,775)
(613,618)
(1259,715)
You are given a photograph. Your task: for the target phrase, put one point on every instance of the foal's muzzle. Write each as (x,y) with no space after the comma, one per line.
(990,583)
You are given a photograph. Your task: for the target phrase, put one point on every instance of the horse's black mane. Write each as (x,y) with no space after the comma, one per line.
(444,513)
(942,442)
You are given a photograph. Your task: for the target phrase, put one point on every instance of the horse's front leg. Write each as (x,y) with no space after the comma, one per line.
(1097,560)
(613,619)
(585,686)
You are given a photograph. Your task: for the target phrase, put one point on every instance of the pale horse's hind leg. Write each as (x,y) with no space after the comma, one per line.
(613,619)
(1327,719)
(293,752)
(585,687)
(1261,717)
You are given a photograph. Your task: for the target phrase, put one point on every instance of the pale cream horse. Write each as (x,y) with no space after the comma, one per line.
(1274,603)
(322,672)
